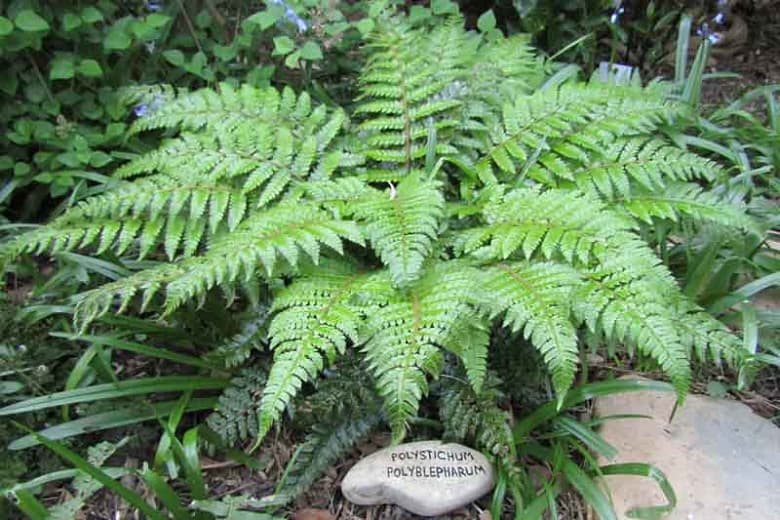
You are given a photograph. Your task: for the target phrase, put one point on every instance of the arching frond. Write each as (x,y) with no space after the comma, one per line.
(345,410)
(686,201)
(277,235)
(235,416)
(402,224)
(536,298)
(207,108)
(630,164)
(406,332)
(410,88)
(313,324)
(573,123)
(555,223)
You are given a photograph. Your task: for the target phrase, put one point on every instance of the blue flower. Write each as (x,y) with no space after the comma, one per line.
(719,18)
(616,15)
(292,16)
(705,32)
(153,6)
(144,109)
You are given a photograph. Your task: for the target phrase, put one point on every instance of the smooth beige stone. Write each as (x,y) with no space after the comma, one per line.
(722,460)
(427,478)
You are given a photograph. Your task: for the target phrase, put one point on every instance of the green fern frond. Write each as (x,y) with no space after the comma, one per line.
(235,417)
(279,233)
(225,108)
(707,337)
(536,298)
(504,69)
(469,340)
(237,349)
(409,88)
(634,311)
(556,223)
(313,324)
(345,410)
(402,224)
(572,122)
(469,415)
(407,332)
(626,165)
(687,201)
(476,417)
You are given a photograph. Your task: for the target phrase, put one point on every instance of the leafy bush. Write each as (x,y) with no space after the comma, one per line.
(459,194)
(63,65)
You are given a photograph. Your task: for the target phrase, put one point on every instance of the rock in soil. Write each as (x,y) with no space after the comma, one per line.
(427,478)
(722,460)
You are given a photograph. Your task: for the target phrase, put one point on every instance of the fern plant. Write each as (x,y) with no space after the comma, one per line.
(460,192)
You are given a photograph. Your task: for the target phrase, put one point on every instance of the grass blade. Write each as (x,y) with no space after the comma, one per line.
(589,490)
(591,439)
(580,394)
(650,471)
(165,494)
(63,474)
(108,420)
(30,505)
(113,391)
(191,462)
(78,462)
(139,348)
(681,52)
(745,292)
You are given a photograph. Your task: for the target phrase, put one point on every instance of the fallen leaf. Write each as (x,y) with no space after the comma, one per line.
(312,514)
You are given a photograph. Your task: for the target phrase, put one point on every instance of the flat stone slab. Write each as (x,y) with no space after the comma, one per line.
(722,460)
(427,478)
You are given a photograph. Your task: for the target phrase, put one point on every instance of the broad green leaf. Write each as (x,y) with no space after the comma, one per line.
(91,15)
(487,21)
(283,45)
(292,59)
(311,51)
(174,56)
(157,20)
(418,13)
(6,27)
(365,26)
(444,7)
(70,22)
(29,21)
(62,68)
(264,19)
(90,68)
(117,39)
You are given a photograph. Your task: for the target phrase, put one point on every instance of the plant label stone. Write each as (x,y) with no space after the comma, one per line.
(427,478)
